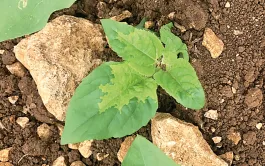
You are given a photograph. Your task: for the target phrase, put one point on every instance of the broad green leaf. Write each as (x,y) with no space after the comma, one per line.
(144,153)
(173,45)
(21,17)
(140,47)
(181,82)
(125,85)
(85,122)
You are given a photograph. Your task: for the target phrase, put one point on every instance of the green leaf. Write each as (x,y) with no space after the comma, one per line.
(140,47)
(173,45)
(144,153)
(141,24)
(85,122)
(181,82)
(20,17)
(126,85)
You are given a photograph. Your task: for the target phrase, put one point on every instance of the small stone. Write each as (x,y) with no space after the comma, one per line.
(125,14)
(222,101)
(217,140)
(180,27)
(125,145)
(214,45)
(84,148)
(22,121)
(101,156)
(227,5)
(233,136)
(6,164)
(73,146)
(78,163)
(213,129)
(234,90)
(211,114)
(60,128)
(17,69)
(149,24)
(171,15)
(263,143)
(237,32)
(259,125)
(2,52)
(44,131)
(4,154)
(13,99)
(176,139)
(254,98)
(59,161)
(237,157)
(228,157)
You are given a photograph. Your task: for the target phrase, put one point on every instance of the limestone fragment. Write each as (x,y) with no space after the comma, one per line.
(214,44)
(22,121)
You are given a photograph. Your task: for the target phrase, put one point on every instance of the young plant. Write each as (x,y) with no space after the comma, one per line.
(21,17)
(118,98)
(144,153)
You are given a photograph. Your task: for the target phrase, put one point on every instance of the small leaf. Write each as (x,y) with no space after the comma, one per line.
(126,85)
(140,47)
(84,121)
(173,44)
(181,82)
(21,17)
(144,153)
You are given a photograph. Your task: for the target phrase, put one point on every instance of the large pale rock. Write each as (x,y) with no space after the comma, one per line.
(183,142)
(4,154)
(59,57)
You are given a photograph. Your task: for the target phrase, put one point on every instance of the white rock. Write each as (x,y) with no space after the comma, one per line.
(212,43)
(13,99)
(101,156)
(73,146)
(78,163)
(22,121)
(259,125)
(234,90)
(59,57)
(227,5)
(59,161)
(237,32)
(189,148)
(211,114)
(84,148)
(4,154)
(44,131)
(125,145)
(148,24)
(2,52)
(17,69)
(217,140)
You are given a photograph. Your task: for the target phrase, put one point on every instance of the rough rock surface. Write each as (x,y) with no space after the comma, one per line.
(59,57)
(212,43)
(125,147)
(182,141)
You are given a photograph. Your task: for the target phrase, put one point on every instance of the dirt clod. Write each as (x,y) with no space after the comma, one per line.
(254,98)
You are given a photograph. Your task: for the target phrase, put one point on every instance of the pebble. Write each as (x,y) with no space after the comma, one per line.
(149,24)
(78,163)
(217,140)
(17,69)
(227,5)
(4,154)
(44,131)
(213,44)
(125,145)
(60,161)
(234,90)
(211,114)
(13,99)
(22,121)
(259,125)
(101,156)
(84,148)
(2,52)
(238,32)
(73,146)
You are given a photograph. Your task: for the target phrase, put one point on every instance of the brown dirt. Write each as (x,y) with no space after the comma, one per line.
(240,66)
